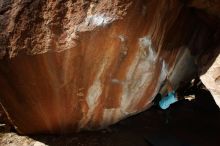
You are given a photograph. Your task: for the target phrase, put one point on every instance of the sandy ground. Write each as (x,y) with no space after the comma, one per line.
(191,123)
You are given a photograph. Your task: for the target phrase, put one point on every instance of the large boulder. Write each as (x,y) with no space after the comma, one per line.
(68,65)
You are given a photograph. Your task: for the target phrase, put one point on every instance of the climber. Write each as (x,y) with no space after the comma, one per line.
(185,91)
(167,95)
(165,101)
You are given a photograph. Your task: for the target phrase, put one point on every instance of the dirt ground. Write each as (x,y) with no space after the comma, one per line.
(190,123)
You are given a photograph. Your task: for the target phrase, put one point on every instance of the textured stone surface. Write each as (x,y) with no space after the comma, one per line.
(72,65)
(55,24)
(13,139)
(211,79)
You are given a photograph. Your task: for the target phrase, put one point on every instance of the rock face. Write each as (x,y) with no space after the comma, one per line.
(211,79)
(72,65)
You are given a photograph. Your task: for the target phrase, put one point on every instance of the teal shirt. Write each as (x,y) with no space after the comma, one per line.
(166,101)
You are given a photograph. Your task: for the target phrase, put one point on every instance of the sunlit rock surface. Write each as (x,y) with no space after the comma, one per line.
(13,139)
(72,65)
(211,79)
